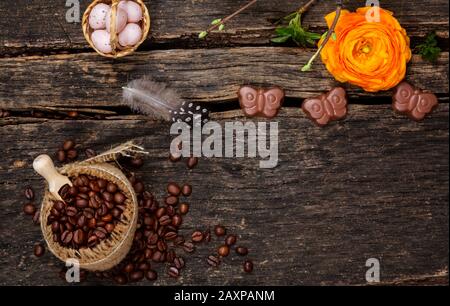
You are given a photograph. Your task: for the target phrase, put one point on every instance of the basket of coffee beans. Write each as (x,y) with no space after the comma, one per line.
(93,218)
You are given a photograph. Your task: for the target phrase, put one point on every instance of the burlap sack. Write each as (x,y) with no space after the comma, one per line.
(112,250)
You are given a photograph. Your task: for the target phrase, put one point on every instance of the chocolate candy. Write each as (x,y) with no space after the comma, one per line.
(327,107)
(262,102)
(413,102)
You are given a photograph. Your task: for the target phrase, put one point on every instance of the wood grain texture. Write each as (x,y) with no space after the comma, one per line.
(42,26)
(373,185)
(204,75)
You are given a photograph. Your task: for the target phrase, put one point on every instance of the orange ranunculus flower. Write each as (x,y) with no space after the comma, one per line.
(372,55)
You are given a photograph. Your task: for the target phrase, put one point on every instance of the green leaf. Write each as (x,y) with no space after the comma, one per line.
(202,34)
(221,27)
(429,49)
(307,67)
(216,21)
(281,39)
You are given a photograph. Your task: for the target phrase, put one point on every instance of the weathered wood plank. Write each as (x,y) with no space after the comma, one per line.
(374,185)
(206,75)
(40,25)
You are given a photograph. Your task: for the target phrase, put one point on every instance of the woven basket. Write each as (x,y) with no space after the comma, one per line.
(112,250)
(117,49)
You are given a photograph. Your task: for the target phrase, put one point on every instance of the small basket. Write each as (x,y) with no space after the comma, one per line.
(111,251)
(117,49)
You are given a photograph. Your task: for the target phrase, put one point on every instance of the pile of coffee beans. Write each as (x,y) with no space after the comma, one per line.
(91,209)
(224,249)
(67,152)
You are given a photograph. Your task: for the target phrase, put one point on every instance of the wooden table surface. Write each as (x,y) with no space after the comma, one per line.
(375,185)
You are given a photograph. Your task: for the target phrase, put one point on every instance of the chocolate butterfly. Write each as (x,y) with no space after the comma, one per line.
(260,101)
(327,107)
(411,101)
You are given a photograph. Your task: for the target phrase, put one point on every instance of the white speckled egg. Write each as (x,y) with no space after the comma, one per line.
(131,35)
(101,40)
(123,5)
(97,17)
(134,11)
(121,20)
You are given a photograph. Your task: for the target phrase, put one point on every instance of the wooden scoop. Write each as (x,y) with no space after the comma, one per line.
(43,165)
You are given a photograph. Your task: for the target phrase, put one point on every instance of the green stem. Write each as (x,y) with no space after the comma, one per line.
(330,33)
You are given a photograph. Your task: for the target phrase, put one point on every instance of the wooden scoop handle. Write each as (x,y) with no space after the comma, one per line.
(43,165)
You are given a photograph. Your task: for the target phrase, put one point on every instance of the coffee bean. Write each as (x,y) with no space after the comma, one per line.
(90,153)
(61,156)
(39,250)
(220,231)
(55,213)
(188,247)
(179,262)
(179,240)
(173,189)
(111,188)
(100,232)
(107,218)
(59,205)
(88,213)
(139,187)
(79,236)
(94,186)
(248,266)
(197,236)
(29,194)
(165,220)
(82,203)
(186,190)
(171,200)
(137,162)
(230,240)
(148,253)
(173,272)
(157,256)
(29,209)
(160,212)
(128,268)
(243,251)
(183,208)
(161,245)
(152,239)
(107,196)
(66,237)
(92,223)
(109,227)
(116,212)
(92,241)
(223,250)
(213,261)
(192,162)
(151,275)
(136,276)
(73,191)
(120,279)
(68,145)
(177,220)
(170,236)
(71,211)
(72,154)
(36,217)
(81,221)
(119,198)
(55,226)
